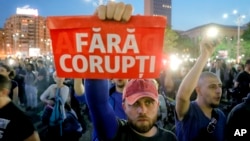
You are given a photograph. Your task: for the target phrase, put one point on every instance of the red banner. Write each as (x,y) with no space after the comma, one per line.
(87,47)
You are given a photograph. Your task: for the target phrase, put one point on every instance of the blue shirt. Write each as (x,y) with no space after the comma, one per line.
(194,125)
(115,100)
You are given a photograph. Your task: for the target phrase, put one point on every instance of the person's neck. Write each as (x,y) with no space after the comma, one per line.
(118,89)
(60,85)
(150,133)
(4,101)
(204,108)
(246,70)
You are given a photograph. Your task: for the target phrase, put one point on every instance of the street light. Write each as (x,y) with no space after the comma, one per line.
(15,38)
(239,21)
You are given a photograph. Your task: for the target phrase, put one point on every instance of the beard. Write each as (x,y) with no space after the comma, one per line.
(120,84)
(142,128)
(213,105)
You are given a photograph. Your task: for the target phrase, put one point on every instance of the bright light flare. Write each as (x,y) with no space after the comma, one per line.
(212,32)
(11,62)
(235,11)
(225,16)
(174,62)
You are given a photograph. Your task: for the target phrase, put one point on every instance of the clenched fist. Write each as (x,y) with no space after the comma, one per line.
(115,11)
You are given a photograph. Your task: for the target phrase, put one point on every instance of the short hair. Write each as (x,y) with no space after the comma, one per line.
(4,82)
(247,62)
(32,66)
(12,73)
(207,74)
(40,61)
(8,69)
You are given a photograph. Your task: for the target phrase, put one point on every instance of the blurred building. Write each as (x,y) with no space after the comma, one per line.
(159,7)
(2,42)
(24,31)
(224,33)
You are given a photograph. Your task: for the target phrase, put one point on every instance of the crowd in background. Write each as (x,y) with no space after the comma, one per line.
(32,76)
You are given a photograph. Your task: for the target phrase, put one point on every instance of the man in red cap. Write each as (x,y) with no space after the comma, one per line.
(140,103)
(140,100)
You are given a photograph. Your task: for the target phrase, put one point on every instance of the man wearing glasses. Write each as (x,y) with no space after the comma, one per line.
(200,120)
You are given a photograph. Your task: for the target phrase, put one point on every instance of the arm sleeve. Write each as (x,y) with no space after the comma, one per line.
(103,117)
(65,93)
(45,94)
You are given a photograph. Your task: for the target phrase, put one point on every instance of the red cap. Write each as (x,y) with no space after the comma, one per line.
(139,88)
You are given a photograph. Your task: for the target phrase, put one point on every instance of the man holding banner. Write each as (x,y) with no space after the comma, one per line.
(140,103)
(111,49)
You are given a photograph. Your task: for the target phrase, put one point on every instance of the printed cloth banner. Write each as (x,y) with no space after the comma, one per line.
(87,47)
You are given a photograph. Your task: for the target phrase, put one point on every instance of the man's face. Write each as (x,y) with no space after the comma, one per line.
(142,115)
(210,91)
(120,82)
(248,67)
(239,68)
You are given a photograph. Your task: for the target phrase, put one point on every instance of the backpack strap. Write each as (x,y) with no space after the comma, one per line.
(58,92)
(214,119)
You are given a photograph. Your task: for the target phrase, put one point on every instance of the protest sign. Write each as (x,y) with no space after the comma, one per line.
(87,47)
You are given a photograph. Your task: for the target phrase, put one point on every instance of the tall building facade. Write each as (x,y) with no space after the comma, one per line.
(23,32)
(159,7)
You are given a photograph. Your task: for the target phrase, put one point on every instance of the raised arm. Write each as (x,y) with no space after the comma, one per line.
(97,91)
(103,116)
(191,79)
(78,86)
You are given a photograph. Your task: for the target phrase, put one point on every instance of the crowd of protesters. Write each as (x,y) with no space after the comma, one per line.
(32,77)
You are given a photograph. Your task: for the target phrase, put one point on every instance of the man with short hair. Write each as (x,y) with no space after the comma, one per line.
(238,123)
(200,120)
(41,82)
(15,125)
(242,82)
(140,103)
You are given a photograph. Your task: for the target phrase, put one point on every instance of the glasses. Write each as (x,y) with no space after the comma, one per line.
(211,125)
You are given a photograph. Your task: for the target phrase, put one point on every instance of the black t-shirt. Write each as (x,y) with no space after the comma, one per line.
(14,124)
(238,120)
(244,82)
(42,72)
(125,133)
(14,84)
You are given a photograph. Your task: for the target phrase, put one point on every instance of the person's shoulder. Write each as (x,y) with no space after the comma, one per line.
(65,87)
(239,108)
(16,110)
(243,74)
(219,112)
(13,81)
(52,86)
(193,105)
(170,136)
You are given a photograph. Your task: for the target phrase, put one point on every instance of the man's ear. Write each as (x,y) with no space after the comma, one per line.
(4,92)
(197,89)
(123,106)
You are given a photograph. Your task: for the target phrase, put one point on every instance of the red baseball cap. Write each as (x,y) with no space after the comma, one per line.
(139,88)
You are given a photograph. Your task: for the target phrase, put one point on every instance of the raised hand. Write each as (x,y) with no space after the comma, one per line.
(115,11)
(207,46)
